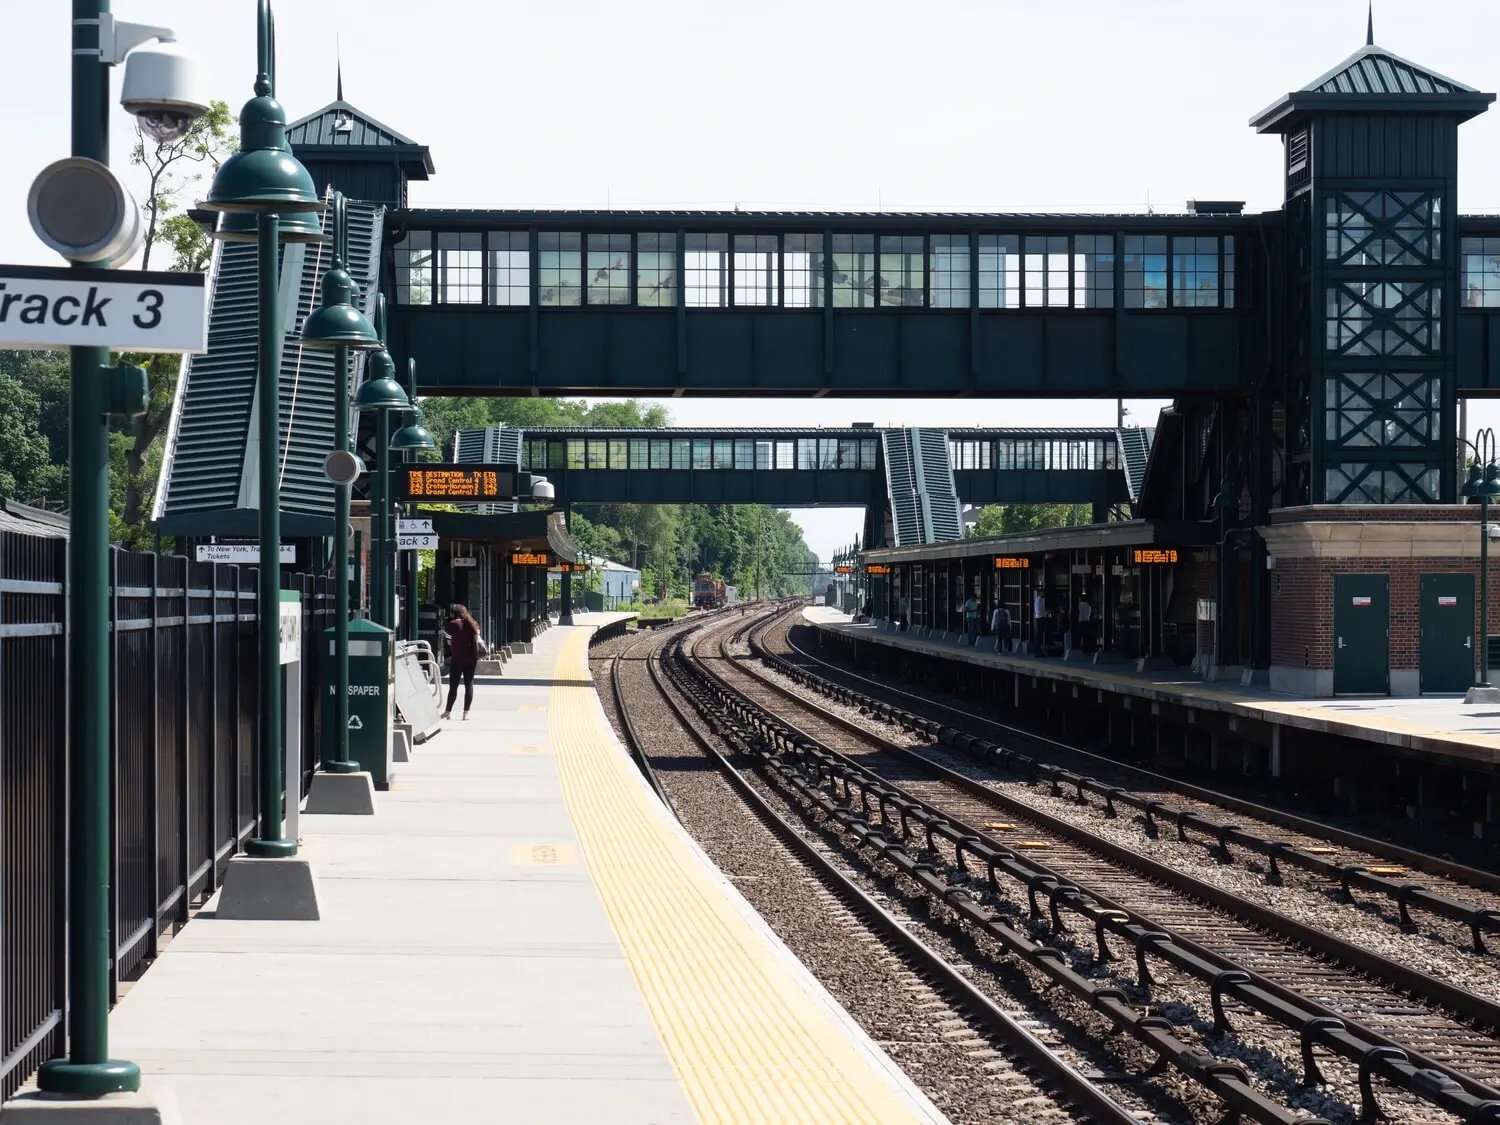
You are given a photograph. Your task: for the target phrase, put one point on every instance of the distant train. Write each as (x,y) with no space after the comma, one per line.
(709,592)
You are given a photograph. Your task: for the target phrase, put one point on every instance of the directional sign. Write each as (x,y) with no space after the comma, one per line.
(413,527)
(240,553)
(463,562)
(129,310)
(417,542)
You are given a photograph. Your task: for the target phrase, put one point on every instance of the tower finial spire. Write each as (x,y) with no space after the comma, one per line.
(1370,24)
(338,54)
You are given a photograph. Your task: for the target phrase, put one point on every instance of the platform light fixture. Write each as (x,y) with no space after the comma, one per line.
(380,394)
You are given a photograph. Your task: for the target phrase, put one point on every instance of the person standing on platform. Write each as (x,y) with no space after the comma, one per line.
(1038,622)
(464,644)
(1000,626)
(971,620)
(1085,622)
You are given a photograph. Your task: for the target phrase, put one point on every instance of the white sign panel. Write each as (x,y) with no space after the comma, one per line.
(291,632)
(464,562)
(417,542)
(129,310)
(240,553)
(413,527)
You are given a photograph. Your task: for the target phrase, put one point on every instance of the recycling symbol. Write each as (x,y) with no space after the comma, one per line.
(355,723)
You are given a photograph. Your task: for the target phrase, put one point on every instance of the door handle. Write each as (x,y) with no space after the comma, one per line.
(1341,642)
(1468,642)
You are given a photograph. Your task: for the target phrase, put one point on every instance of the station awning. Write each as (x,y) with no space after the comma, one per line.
(542,531)
(1099,536)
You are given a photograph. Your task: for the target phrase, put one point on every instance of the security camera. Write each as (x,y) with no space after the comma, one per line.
(542,490)
(165,90)
(1492,530)
(164,84)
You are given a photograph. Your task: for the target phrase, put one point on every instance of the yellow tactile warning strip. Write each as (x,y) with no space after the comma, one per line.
(748,1044)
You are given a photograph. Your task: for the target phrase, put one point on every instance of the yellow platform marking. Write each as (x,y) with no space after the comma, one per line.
(543,855)
(529,750)
(748,1043)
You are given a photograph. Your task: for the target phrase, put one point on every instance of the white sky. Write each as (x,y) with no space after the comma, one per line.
(1008,105)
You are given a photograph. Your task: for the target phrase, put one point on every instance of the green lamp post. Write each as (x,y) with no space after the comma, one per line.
(411,438)
(380,394)
(1483,485)
(337,326)
(265,180)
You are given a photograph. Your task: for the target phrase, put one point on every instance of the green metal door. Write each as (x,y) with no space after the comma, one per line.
(1447,619)
(1361,637)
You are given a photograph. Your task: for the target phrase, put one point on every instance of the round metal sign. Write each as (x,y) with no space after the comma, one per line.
(80,209)
(342,467)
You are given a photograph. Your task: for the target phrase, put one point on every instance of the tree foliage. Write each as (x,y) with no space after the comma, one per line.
(1007,519)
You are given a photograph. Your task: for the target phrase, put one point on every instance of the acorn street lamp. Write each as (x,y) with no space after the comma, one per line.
(413,437)
(337,326)
(265,180)
(380,394)
(1483,485)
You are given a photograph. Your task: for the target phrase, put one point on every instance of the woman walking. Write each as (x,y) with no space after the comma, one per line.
(462,632)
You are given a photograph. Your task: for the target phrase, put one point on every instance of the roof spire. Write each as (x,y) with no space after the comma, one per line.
(338,54)
(1370,24)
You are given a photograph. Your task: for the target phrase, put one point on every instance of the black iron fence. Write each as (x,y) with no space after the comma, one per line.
(183,725)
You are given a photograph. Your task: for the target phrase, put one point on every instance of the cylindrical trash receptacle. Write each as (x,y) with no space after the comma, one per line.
(371,698)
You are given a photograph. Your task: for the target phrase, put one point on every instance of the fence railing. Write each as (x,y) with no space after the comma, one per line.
(183,725)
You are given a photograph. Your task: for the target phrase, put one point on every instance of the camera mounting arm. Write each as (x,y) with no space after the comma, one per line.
(117,38)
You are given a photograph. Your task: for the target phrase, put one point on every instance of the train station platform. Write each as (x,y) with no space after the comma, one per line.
(521,933)
(1435,726)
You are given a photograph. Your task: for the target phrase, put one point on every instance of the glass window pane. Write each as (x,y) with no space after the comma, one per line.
(948,267)
(802,270)
(640,457)
(744,454)
(764,451)
(867,454)
(414,268)
(575,453)
(1145,261)
(557,455)
(807,453)
(510,267)
(608,272)
(723,453)
(661,454)
(756,261)
(702,454)
(559,268)
(681,459)
(999,271)
(656,271)
(597,454)
(1045,270)
(1093,271)
(902,267)
(1481,272)
(1195,272)
(706,268)
(786,455)
(853,266)
(617,455)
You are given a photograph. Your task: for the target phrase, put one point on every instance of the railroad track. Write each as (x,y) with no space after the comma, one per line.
(1454,902)
(1009,1062)
(1428,1058)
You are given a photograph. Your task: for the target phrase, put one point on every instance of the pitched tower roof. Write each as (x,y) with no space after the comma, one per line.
(342,130)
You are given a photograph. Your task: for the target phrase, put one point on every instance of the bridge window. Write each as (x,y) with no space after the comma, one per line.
(969,454)
(853,271)
(807,453)
(706,266)
(598,454)
(901,280)
(999,271)
(1046,270)
(848,453)
(786,455)
(414,268)
(702,454)
(1481,273)
(608,273)
(536,454)
(640,454)
(661,454)
(680,456)
(1145,271)
(656,271)
(828,453)
(557,455)
(1093,271)
(618,454)
(755,270)
(560,268)
(575,453)
(948,267)
(510,267)
(763,452)
(802,271)
(867,454)
(744,454)
(723,454)
(1195,272)
(460,268)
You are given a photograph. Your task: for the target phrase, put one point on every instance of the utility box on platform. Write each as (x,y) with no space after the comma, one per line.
(371,699)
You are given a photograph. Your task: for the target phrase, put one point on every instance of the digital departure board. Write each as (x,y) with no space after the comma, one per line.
(877,568)
(571,568)
(1012,562)
(843,568)
(530,558)
(455,482)
(1154,556)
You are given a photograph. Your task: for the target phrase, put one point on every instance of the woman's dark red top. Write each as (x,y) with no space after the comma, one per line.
(462,643)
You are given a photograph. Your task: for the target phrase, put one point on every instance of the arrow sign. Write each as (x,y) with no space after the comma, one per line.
(417,542)
(130,310)
(414,527)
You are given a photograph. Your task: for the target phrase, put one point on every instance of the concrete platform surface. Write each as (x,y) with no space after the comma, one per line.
(520,934)
(1441,725)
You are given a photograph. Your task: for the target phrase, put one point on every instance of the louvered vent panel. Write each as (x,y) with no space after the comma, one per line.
(1135,451)
(488,445)
(900,488)
(942,515)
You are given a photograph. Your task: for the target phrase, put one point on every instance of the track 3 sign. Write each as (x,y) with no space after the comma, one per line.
(129,310)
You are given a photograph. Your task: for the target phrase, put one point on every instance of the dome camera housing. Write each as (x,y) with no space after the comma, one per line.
(164,87)
(543,490)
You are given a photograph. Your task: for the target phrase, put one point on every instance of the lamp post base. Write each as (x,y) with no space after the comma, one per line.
(268,890)
(271,849)
(87,1080)
(1482,693)
(153,1105)
(341,794)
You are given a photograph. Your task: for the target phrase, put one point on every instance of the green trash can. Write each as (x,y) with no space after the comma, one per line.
(371,702)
